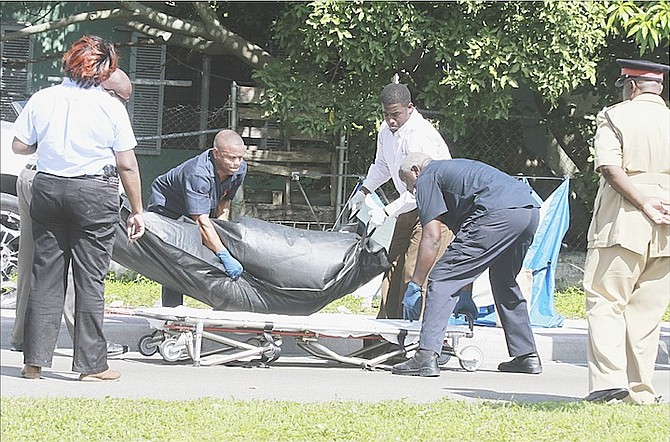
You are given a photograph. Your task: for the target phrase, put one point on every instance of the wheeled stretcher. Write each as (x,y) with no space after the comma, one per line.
(245,336)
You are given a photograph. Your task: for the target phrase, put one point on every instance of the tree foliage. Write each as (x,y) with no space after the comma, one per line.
(198,26)
(572,122)
(324,62)
(463,59)
(648,23)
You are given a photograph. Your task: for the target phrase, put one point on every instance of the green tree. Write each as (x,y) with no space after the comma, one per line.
(572,121)
(648,23)
(323,62)
(203,27)
(463,59)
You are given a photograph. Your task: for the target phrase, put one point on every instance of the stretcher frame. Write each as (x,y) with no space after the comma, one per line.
(180,332)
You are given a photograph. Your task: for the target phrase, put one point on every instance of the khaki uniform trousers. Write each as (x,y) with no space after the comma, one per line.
(403,252)
(626,296)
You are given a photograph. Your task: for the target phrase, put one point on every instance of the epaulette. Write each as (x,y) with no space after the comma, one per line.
(616,130)
(615,105)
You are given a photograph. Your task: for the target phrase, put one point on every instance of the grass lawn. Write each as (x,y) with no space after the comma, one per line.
(65,419)
(141,292)
(218,420)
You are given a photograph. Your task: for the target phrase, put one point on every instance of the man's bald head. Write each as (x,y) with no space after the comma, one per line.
(227,137)
(118,85)
(228,152)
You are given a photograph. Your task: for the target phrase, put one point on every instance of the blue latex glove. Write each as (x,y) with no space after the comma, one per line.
(412,302)
(465,304)
(232,266)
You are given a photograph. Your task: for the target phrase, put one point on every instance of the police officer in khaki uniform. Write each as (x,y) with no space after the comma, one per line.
(626,278)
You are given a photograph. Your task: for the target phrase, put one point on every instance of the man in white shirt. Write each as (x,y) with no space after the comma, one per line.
(404,130)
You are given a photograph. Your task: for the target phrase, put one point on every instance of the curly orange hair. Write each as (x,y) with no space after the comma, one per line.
(90,61)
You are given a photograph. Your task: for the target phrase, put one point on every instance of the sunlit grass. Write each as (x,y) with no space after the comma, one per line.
(208,419)
(142,292)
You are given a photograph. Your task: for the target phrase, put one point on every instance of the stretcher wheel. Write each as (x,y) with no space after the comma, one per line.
(170,351)
(471,358)
(445,356)
(149,345)
(256,342)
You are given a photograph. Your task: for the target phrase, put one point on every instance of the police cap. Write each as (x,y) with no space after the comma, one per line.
(642,69)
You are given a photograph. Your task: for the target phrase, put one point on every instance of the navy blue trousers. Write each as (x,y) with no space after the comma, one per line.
(498,241)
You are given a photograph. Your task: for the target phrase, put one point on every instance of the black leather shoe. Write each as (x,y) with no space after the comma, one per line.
(606,396)
(424,363)
(529,364)
(116,349)
(15,346)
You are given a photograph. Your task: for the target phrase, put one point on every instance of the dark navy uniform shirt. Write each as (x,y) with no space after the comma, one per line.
(193,188)
(458,190)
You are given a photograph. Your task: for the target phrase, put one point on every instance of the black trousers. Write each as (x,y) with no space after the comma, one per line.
(498,241)
(171,298)
(74,223)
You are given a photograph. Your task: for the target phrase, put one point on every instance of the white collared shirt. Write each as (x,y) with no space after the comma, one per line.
(416,135)
(77,130)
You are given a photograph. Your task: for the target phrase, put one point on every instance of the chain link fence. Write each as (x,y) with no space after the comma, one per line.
(182,127)
(510,146)
(503,144)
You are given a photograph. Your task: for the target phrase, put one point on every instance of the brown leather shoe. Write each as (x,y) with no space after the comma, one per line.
(107,375)
(31,372)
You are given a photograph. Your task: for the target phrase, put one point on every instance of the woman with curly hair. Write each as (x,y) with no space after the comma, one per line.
(84,143)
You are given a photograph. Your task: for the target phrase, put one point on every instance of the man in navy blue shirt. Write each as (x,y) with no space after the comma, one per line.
(494,217)
(202,188)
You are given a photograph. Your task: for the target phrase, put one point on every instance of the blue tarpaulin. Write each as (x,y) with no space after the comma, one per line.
(541,259)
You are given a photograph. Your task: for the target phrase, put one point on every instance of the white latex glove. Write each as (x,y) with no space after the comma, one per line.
(377,217)
(356,202)
(405,203)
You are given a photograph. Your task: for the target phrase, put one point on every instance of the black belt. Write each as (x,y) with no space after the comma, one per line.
(102,178)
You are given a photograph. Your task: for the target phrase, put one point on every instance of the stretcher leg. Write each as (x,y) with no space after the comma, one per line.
(248,350)
(199,327)
(183,336)
(320,351)
(314,348)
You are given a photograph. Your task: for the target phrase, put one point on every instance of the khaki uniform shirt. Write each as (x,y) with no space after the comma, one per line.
(634,135)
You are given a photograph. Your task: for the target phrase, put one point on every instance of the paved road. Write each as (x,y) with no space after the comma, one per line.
(297,377)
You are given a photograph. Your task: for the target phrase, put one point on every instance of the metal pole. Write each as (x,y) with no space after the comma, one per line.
(233,106)
(296,177)
(204,100)
(340,172)
(238,207)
